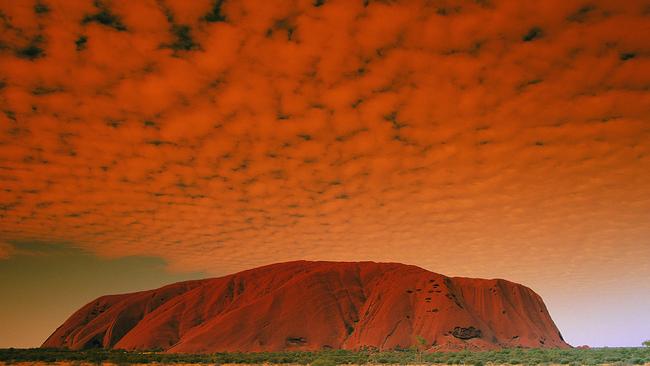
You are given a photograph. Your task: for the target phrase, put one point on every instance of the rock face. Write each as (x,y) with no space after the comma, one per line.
(315,305)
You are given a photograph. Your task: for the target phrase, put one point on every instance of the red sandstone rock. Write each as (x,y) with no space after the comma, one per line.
(314,305)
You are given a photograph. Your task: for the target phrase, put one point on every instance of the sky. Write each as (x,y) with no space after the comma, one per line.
(146,142)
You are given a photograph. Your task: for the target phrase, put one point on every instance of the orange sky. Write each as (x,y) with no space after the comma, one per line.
(477,138)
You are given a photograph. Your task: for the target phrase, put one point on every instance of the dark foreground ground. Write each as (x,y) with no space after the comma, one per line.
(594,356)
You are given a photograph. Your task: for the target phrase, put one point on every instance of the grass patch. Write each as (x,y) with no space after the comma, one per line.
(513,356)
(322,361)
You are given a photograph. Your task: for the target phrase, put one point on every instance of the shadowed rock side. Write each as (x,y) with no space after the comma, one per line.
(314,305)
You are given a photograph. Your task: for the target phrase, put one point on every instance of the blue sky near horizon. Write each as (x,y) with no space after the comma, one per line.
(43,284)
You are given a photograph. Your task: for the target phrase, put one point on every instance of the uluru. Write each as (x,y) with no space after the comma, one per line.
(307,305)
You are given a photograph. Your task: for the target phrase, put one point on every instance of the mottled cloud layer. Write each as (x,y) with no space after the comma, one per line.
(480,138)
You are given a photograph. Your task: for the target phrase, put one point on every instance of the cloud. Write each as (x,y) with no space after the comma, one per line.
(405,131)
(5,250)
